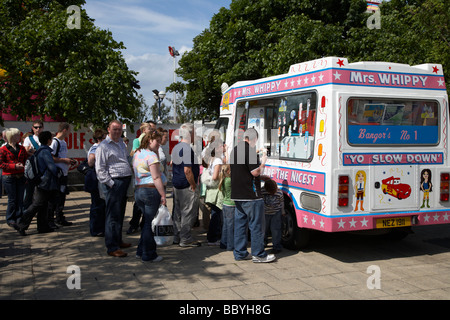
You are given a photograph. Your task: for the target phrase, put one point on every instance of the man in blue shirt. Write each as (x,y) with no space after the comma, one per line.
(185,170)
(114,173)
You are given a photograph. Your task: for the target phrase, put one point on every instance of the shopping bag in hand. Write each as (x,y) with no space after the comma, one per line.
(162,227)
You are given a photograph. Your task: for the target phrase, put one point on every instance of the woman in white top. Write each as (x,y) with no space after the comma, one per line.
(214,198)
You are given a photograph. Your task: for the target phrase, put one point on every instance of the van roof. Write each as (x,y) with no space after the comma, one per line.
(338,71)
(337,62)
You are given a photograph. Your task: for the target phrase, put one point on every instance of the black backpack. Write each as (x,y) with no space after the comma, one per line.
(32,173)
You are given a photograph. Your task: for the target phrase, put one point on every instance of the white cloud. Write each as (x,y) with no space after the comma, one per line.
(140,27)
(148,28)
(155,72)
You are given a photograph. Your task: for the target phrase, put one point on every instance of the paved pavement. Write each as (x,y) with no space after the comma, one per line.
(336,266)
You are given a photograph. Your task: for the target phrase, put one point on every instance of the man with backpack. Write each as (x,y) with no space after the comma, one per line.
(59,147)
(46,189)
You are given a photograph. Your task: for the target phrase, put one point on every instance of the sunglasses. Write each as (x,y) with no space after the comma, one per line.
(37,127)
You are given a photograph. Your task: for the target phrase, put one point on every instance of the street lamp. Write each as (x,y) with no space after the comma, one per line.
(159,97)
(174,53)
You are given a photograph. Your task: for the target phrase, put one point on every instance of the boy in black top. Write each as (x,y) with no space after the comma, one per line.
(246,192)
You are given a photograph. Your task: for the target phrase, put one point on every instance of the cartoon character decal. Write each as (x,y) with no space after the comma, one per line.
(393,186)
(426,186)
(360,186)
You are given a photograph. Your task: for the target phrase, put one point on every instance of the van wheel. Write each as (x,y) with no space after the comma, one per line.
(292,237)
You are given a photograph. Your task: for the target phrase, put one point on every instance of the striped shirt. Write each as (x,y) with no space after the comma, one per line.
(272,202)
(111,161)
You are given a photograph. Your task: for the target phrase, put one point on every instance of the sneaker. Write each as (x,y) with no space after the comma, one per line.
(13,225)
(247,257)
(191,244)
(266,259)
(157,259)
(132,230)
(53,225)
(217,243)
(64,223)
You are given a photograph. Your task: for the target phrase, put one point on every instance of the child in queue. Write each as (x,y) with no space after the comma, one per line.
(273,209)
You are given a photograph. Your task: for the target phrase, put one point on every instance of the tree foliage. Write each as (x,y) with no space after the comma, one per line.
(260,38)
(78,74)
(183,114)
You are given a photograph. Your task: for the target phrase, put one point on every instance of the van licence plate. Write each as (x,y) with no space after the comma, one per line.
(393,222)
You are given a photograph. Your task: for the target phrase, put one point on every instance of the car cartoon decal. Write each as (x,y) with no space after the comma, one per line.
(392,186)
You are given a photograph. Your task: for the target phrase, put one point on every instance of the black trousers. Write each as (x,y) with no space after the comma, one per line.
(55,208)
(39,206)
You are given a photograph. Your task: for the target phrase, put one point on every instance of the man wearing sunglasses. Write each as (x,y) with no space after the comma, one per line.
(31,144)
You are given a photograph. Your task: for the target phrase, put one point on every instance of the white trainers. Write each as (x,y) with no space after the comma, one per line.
(157,259)
(191,244)
(266,259)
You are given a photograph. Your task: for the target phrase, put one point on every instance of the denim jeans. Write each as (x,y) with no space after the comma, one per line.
(148,201)
(56,208)
(273,225)
(228,227)
(116,201)
(215,225)
(249,215)
(136,220)
(28,195)
(15,188)
(97,214)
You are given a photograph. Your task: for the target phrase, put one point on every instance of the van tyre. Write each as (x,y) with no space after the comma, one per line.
(292,237)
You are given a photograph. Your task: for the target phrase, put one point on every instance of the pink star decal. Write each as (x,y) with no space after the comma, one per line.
(340,62)
(435,69)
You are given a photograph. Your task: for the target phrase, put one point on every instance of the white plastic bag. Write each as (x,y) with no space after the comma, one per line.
(162,227)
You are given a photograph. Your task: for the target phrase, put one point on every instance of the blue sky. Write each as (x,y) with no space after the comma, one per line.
(148,27)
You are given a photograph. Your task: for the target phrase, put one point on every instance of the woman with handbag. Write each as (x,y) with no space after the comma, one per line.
(214,197)
(149,191)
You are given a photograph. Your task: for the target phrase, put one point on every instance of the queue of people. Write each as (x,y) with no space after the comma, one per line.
(240,208)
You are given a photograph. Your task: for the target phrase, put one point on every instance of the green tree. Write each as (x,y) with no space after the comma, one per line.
(165,112)
(79,74)
(254,39)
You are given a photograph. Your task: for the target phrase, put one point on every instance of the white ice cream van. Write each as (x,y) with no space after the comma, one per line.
(353,146)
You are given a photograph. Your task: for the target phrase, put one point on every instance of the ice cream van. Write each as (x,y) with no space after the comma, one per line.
(353,146)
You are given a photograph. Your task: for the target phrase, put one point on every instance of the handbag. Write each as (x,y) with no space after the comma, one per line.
(90,181)
(207,180)
(83,167)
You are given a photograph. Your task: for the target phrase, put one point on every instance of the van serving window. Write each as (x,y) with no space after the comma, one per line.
(392,121)
(286,124)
